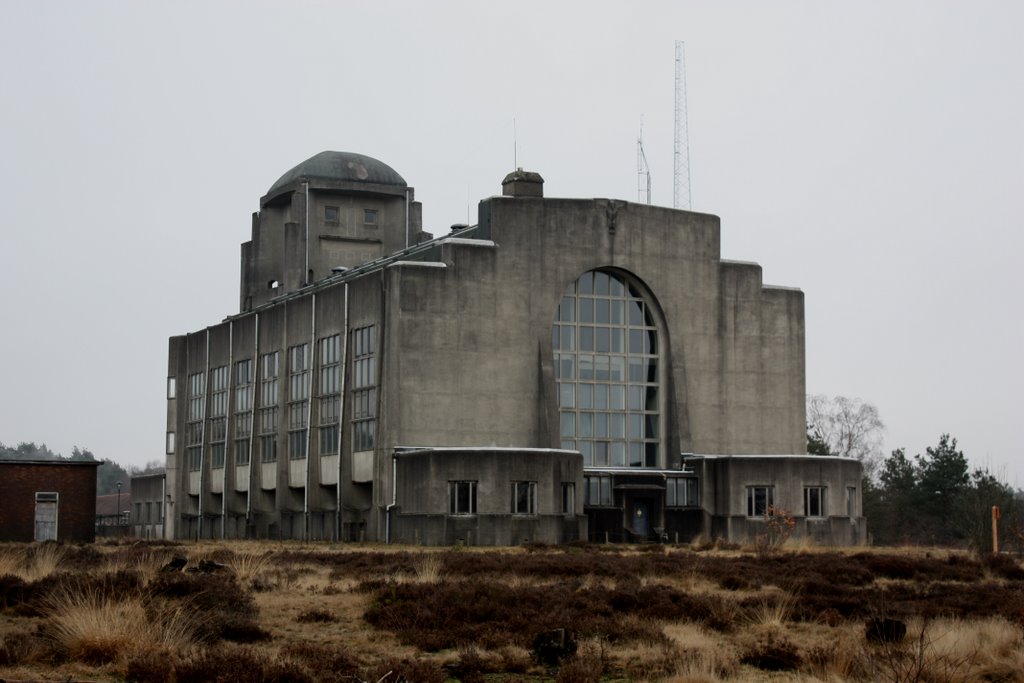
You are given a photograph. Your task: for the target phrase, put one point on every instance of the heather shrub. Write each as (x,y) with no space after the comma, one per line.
(324,663)
(238,664)
(151,665)
(583,668)
(228,611)
(772,653)
(315,616)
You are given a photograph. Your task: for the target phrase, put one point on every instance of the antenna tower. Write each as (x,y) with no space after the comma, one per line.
(681,150)
(643,171)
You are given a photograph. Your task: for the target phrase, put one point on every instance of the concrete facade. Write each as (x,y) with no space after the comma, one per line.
(146,519)
(821,494)
(48,500)
(603,338)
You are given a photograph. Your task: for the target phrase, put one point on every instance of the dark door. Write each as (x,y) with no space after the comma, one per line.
(640,512)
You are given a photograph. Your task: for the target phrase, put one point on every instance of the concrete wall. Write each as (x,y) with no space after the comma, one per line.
(422,503)
(294,243)
(147,506)
(725,481)
(75,484)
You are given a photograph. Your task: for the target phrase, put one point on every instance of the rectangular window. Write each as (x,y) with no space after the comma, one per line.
(297,444)
(172,387)
(242,451)
(219,391)
(243,386)
(268,448)
(331,214)
(759,499)
(269,378)
(329,440)
(524,498)
(330,394)
(462,497)
(243,410)
(370,216)
(196,414)
(815,501)
(681,492)
(269,395)
(598,490)
(851,501)
(218,439)
(298,401)
(196,393)
(568,499)
(170,443)
(364,392)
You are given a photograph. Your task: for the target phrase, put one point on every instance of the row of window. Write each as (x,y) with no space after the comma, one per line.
(462,498)
(332,214)
(267,408)
(761,501)
(679,491)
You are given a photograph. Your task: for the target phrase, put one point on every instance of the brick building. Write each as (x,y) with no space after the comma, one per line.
(47,500)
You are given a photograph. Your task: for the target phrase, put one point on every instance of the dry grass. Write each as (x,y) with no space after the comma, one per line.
(249,566)
(31,563)
(91,627)
(672,614)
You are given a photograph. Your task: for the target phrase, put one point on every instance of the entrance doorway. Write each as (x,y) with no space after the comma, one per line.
(46,517)
(640,517)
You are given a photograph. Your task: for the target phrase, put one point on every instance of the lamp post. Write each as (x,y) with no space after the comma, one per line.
(118,509)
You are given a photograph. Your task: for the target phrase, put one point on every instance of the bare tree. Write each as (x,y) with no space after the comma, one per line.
(851,428)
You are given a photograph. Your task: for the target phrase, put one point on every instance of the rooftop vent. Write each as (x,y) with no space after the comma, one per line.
(520,183)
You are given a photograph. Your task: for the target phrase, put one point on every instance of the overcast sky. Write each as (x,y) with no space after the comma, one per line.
(868,153)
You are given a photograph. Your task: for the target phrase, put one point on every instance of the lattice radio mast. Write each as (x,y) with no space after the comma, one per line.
(643,171)
(681,150)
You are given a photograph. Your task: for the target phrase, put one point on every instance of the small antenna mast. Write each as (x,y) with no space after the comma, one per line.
(643,171)
(681,151)
(515,146)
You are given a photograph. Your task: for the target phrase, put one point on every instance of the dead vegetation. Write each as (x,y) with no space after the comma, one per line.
(304,612)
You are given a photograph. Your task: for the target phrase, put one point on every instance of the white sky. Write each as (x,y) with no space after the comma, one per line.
(869,153)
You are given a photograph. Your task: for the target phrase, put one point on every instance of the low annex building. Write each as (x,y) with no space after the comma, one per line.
(48,500)
(564,369)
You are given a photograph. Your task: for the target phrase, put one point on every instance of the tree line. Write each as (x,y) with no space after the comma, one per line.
(107,474)
(931,498)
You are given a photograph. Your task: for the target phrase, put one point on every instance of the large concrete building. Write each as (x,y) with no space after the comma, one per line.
(564,369)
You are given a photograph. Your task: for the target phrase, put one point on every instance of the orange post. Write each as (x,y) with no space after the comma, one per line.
(995,531)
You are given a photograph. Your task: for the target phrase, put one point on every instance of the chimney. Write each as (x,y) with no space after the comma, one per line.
(520,183)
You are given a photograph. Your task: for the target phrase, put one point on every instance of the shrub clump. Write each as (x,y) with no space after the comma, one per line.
(772,653)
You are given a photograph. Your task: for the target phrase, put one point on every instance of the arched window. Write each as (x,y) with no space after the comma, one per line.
(606,365)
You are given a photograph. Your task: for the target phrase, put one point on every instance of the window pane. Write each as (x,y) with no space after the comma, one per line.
(586,339)
(617,397)
(603,340)
(636,313)
(618,454)
(568,424)
(567,396)
(566,311)
(568,338)
(586,310)
(586,396)
(585,285)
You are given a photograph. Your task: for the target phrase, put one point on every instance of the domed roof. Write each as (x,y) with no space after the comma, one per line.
(341,167)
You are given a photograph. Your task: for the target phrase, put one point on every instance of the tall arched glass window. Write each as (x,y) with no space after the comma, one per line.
(606,365)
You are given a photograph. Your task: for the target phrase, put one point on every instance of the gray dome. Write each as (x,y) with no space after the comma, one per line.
(340,167)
